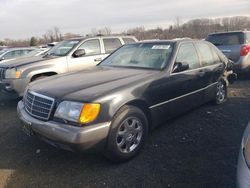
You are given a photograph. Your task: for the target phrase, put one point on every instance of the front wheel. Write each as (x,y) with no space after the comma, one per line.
(221,92)
(127,135)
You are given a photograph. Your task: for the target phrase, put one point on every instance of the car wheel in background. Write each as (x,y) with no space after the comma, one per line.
(127,135)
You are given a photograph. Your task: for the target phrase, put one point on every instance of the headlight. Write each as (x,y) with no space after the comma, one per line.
(77,112)
(12,73)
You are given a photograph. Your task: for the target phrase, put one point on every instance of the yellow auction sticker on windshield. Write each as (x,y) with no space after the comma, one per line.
(161,47)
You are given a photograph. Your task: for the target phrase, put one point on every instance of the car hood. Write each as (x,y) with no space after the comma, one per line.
(90,84)
(25,61)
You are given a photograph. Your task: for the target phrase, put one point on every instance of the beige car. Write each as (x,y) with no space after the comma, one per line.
(67,56)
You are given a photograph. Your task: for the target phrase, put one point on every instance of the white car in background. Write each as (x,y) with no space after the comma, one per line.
(14,53)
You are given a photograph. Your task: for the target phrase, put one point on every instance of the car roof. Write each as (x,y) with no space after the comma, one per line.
(23,48)
(229,32)
(176,40)
(99,37)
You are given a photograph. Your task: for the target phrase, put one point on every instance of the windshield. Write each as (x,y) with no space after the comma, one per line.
(145,55)
(62,48)
(226,39)
(2,52)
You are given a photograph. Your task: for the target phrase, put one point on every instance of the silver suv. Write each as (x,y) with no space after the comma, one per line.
(67,56)
(236,46)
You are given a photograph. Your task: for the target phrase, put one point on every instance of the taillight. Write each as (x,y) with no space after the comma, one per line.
(245,49)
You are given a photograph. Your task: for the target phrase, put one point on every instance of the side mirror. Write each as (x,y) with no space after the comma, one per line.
(1,58)
(79,53)
(179,67)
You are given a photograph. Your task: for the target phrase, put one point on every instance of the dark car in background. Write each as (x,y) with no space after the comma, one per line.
(236,46)
(112,106)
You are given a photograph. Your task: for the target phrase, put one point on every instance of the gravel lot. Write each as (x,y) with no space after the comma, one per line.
(198,149)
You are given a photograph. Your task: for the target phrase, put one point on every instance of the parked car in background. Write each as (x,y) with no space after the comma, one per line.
(111,107)
(37,52)
(13,53)
(236,46)
(243,169)
(67,56)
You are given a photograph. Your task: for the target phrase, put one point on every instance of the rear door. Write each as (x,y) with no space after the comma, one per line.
(212,66)
(128,40)
(229,43)
(92,57)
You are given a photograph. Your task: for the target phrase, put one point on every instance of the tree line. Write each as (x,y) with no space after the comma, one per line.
(196,28)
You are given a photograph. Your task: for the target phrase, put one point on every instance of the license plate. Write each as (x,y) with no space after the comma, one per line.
(27,129)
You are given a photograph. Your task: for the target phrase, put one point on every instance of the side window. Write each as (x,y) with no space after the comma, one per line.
(12,54)
(91,47)
(128,40)
(207,58)
(215,55)
(18,53)
(111,44)
(188,55)
(248,37)
(24,52)
(8,55)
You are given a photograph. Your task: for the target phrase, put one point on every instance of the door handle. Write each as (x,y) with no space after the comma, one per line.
(98,59)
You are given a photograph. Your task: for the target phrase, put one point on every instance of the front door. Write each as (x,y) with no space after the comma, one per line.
(92,56)
(181,90)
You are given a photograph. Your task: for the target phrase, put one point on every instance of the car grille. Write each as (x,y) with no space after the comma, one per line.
(2,73)
(38,106)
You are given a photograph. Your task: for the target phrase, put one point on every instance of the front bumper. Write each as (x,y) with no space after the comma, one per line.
(243,172)
(16,85)
(64,136)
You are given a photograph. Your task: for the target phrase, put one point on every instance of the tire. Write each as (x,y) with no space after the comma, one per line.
(221,92)
(129,130)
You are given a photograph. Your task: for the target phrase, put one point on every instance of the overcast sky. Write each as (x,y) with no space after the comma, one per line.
(26,18)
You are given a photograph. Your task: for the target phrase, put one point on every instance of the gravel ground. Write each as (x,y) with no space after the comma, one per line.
(197,149)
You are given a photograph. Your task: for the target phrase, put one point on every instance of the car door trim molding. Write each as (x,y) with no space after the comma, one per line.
(185,95)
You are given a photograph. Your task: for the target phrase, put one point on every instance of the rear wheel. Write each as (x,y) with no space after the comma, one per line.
(221,92)
(127,135)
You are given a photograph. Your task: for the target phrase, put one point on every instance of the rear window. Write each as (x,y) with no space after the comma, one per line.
(128,40)
(111,44)
(226,39)
(248,38)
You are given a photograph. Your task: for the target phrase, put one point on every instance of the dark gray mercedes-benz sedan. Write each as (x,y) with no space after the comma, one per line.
(113,106)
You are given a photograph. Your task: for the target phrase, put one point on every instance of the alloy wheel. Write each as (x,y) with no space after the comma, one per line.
(221,92)
(129,135)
